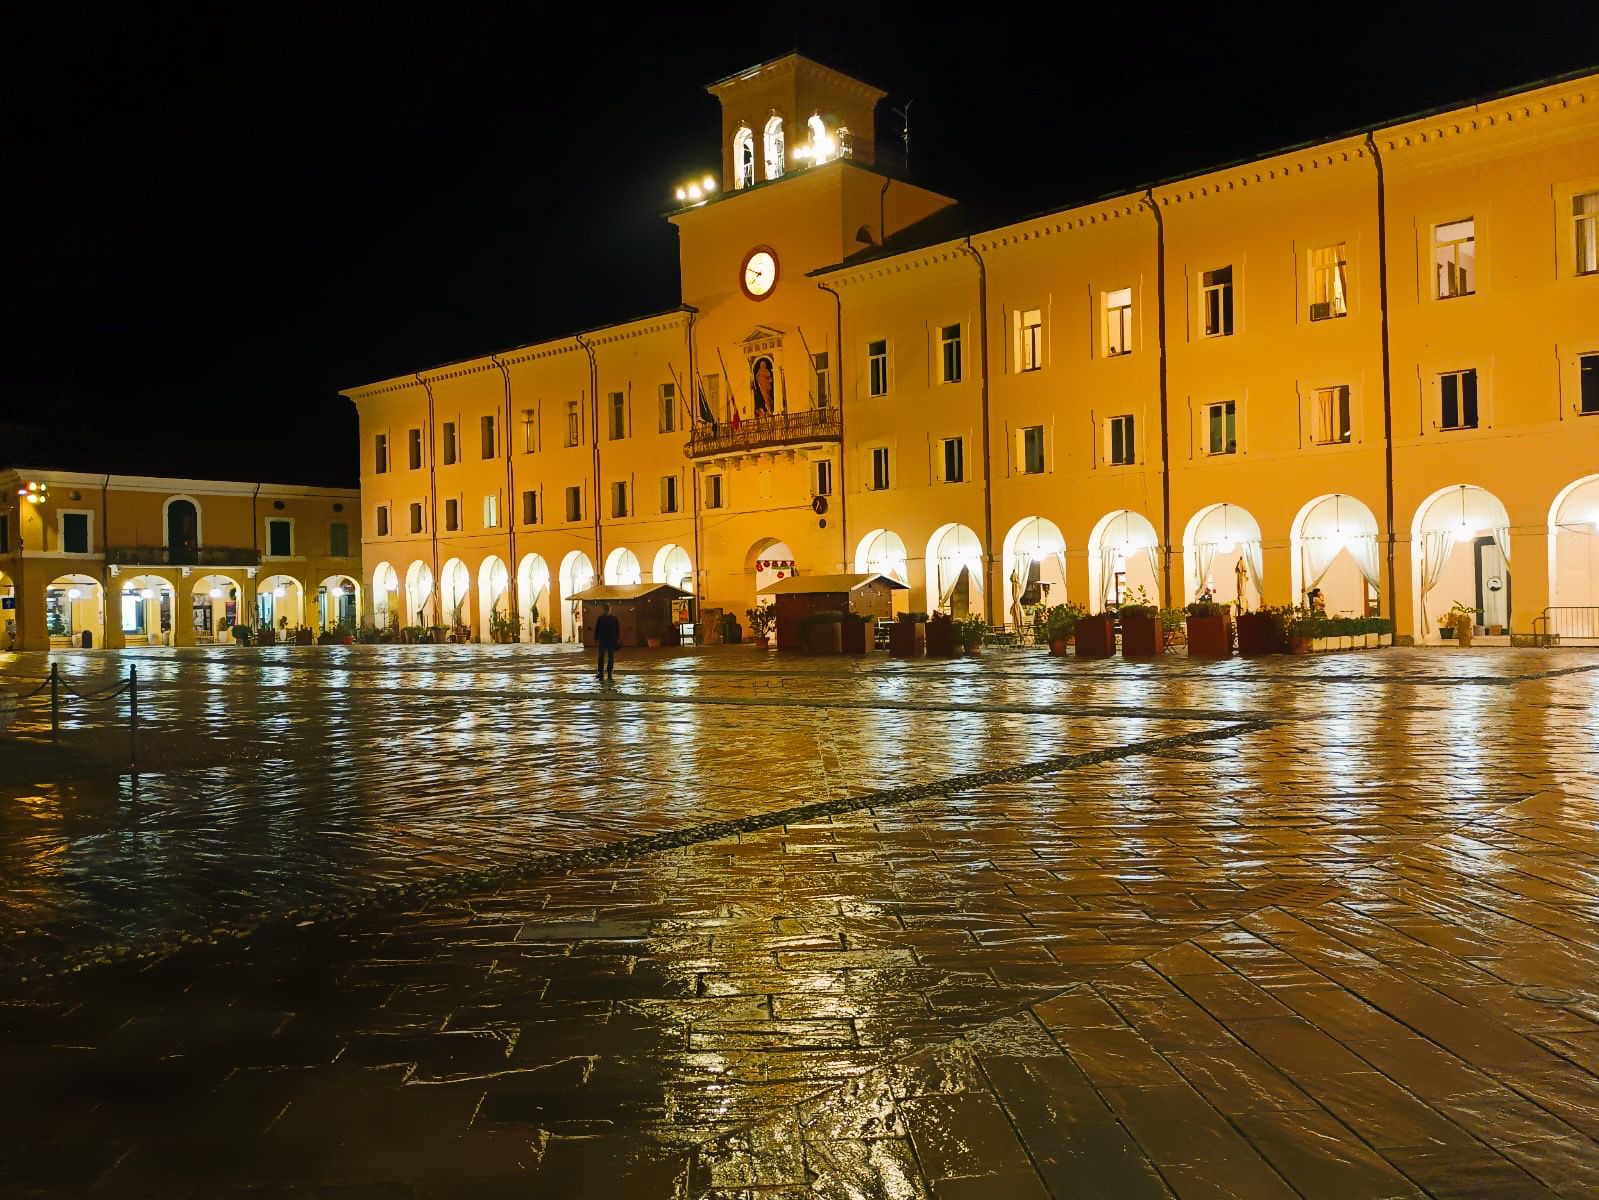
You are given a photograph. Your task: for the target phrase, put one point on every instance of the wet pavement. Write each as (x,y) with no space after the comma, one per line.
(1003,927)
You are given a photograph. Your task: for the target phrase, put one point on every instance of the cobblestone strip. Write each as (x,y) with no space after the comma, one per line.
(464,882)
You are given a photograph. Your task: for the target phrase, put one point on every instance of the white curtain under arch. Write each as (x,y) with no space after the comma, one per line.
(1436,546)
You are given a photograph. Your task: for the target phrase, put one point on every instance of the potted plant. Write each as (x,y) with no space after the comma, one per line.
(1464,619)
(907,636)
(823,632)
(1207,629)
(761,618)
(971,633)
(265,635)
(504,627)
(856,632)
(940,636)
(1060,624)
(243,635)
(1264,632)
(1141,629)
(1094,635)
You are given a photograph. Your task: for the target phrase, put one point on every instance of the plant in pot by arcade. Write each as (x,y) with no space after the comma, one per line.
(1060,625)
(824,632)
(1463,618)
(1095,635)
(1264,632)
(856,633)
(970,632)
(907,637)
(1208,632)
(1142,635)
(243,635)
(761,619)
(504,627)
(941,641)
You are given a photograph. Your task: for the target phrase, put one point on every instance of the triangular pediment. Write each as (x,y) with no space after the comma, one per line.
(761,334)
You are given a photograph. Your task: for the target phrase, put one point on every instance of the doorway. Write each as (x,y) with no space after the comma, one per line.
(1493,584)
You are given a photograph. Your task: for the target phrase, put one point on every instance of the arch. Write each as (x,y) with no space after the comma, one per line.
(882,552)
(386,608)
(455,594)
(421,607)
(1460,549)
(74,606)
(955,571)
(214,607)
(493,594)
(1034,565)
(743,157)
(1123,554)
(622,566)
(338,603)
(180,529)
(577,573)
(146,610)
(1574,558)
(8,616)
(1217,540)
(772,141)
(767,561)
(1333,546)
(533,594)
(673,567)
(279,598)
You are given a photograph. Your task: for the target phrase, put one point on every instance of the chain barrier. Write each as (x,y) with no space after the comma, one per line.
(57,685)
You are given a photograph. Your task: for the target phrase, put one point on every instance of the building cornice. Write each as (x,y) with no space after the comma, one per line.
(170,485)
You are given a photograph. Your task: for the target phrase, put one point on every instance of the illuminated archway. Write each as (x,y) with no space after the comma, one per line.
(215,608)
(73,607)
(1333,546)
(385,596)
(146,608)
(493,594)
(1217,541)
(955,571)
(1574,560)
(280,603)
(1035,567)
(743,157)
(674,567)
(882,552)
(455,594)
(622,567)
(577,573)
(1460,553)
(533,594)
(1123,555)
(768,561)
(421,608)
(8,615)
(773,141)
(338,603)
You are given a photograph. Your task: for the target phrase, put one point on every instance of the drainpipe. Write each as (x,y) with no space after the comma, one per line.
(1387,375)
(989,557)
(106,607)
(882,214)
(693,467)
(433,508)
(838,393)
(594,411)
(510,499)
(1165,425)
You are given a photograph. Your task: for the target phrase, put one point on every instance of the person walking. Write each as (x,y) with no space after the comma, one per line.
(607,637)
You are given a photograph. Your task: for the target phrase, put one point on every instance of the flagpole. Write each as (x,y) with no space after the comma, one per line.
(810,365)
(732,397)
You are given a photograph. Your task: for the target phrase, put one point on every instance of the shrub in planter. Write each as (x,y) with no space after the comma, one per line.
(907,637)
(504,628)
(265,636)
(1095,635)
(1060,624)
(762,617)
(1142,633)
(941,636)
(856,633)
(1263,632)
(823,632)
(1209,632)
(971,633)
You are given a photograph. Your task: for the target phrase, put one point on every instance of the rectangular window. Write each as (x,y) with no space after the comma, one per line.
(1031,446)
(616,406)
(530,432)
(1329,283)
(1588,382)
(619,499)
(383,520)
(822,478)
(1123,443)
(380,454)
(487,426)
(949,338)
(1118,322)
(1029,340)
(339,539)
(1585,226)
(880,476)
(452,515)
(877,367)
(574,423)
(280,538)
(451,451)
(668,408)
(491,512)
(713,491)
(414,448)
(1216,301)
(574,504)
(1454,257)
(530,508)
(1332,416)
(954,460)
(1223,421)
(668,493)
(824,389)
(75,533)
(1458,391)
(416,517)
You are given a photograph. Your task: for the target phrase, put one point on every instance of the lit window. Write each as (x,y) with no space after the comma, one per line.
(452,515)
(488,437)
(1329,283)
(1223,422)
(416,517)
(1585,225)
(1030,450)
(383,520)
(668,392)
(380,454)
(877,368)
(774,147)
(530,508)
(530,432)
(822,479)
(1332,416)
(949,338)
(491,512)
(880,478)
(1588,382)
(1123,446)
(450,452)
(954,460)
(1119,322)
(414,447)
(574,504)
(619,499)
(574,423)
(618,411)
(1457,390)
(744,157)
(1454,256)
(824,391)
(1216,301)
(713,491)
(1029,340)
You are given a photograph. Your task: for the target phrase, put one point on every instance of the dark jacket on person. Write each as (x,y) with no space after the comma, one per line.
(608,632)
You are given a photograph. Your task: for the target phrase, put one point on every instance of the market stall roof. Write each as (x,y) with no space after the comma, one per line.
(812,584)
(624,591)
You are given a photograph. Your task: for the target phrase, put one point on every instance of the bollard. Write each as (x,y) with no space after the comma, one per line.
(133,713)
(55,703)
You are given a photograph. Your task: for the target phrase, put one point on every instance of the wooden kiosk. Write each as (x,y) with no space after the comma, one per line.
(798,596)
(636,606)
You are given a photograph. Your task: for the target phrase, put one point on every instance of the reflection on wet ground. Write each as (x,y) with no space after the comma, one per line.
(1007,927)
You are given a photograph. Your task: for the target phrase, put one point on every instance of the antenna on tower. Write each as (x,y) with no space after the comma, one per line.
(904,114)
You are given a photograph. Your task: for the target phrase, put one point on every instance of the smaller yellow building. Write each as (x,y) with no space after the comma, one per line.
(131,560)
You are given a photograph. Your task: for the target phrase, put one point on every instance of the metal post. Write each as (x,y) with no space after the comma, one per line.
(55,703)
(133,713)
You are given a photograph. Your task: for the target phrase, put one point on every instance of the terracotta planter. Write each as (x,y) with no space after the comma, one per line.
(1060,648)
(907,639)
(304,637)
(1209,637)
(1260,634)
(855,639)
(265,637)
(1298,645)
(761,643)
(1142,637)
(824,637)
(1095,636)
(941,639)
(654,643)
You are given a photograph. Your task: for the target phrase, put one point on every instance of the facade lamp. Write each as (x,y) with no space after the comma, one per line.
(696,191)
(35,493)
(148,593)
(74,594)
(216,593)
(280,591)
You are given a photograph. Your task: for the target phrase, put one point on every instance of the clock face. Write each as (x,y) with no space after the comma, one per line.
(758,276)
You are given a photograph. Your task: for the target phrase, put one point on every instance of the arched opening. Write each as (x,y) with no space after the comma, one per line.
(493,595)
(146,608)
(955,572)
(1222,556)
(743,157)
(338,604)
(1333,547)
(74,614)
(577,573)
(622,566)
(420,606)
(1035,569)
(280,603)
(1123,560)
(533,593)
(674,568)
(1460,555)
(8,613)
(214,608)
(386,610)
(183,531)
(882,552)
(768,561)
(455,593)
(1574,562)
(773,140)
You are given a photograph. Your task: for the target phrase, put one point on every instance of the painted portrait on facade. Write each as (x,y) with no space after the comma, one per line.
(763,384)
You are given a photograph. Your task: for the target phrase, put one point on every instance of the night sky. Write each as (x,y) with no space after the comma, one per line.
(218,225)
